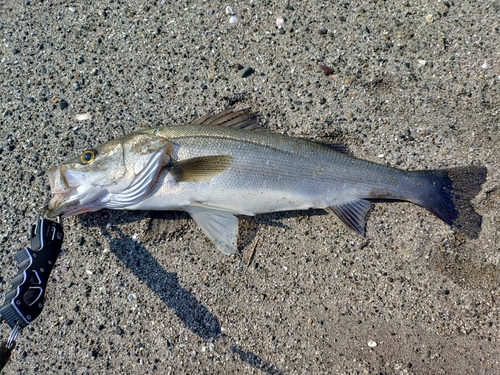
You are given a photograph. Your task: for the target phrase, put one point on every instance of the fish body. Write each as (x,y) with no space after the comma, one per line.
(219,166)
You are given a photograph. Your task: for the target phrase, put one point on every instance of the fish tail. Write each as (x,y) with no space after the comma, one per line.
(449,194)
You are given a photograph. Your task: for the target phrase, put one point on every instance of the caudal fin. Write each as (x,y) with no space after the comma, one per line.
(450,194)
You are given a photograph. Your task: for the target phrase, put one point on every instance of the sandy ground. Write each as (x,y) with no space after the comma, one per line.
(414,85)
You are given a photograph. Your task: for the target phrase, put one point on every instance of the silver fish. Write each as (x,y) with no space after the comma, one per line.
(219,166)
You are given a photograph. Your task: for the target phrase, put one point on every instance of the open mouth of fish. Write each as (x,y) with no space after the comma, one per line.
(70,200)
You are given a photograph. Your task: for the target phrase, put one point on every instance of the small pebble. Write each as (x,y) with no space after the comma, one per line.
(326,69)
(132,297)
(233,20)
(248,71)
(429,18)
(322,32)
(280,22)
(485,66)
(230,11)
(63,104)
(83,116)
(372,344)
(422,62)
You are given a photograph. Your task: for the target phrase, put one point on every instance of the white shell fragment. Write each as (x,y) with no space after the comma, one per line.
(485,66)
(280,22)
(372,344)
(83,116)
(230,11)
(233,20)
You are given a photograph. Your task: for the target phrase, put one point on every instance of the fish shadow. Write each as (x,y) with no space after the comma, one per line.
(256,362)
(165,285)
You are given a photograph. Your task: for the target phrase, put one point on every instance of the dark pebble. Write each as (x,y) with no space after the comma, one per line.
(10,147)
(69,322)
(119,330)
(247,72)
(297,102)
(342,19)
(101,327)
(281,31)
(322,32)
(322,101)
(15,51)
(186,79)
(77,86)
(407,65)
(239,66)
(63,104)
(203,86)
(95,353)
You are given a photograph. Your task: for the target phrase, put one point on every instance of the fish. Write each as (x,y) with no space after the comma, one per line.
(222,165)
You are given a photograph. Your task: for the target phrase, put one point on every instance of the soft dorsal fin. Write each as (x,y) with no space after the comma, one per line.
(202,168)
(352,214)
(240,119)
(339,147)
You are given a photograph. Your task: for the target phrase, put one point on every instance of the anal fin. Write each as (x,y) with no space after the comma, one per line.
(220,226)
(352,214)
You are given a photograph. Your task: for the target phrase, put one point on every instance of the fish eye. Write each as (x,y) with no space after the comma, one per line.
(88,156)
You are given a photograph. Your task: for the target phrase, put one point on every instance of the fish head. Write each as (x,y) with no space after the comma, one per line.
(116,174)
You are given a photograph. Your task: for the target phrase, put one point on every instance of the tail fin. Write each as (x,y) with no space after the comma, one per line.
(450,195)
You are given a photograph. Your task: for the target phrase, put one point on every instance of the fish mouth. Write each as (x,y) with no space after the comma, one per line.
(68,200)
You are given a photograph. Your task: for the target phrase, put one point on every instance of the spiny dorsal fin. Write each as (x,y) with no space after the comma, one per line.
(202,168)
(240,119)
(352,214)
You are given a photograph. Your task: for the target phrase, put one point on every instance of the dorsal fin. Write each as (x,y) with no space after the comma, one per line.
(240,119)
(339,147)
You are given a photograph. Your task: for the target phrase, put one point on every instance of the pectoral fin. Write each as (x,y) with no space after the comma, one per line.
(202,168)
(352,214)
(220,226)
